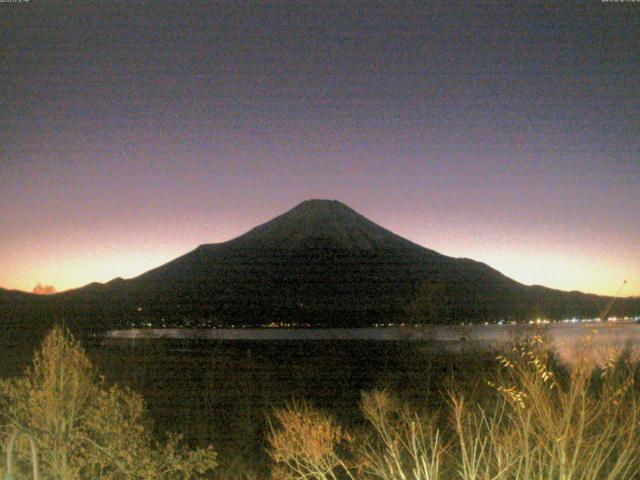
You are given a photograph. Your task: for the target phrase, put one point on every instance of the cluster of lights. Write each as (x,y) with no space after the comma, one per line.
(540,321)
(281,325)
(383,325)
(537,321)
(544,321)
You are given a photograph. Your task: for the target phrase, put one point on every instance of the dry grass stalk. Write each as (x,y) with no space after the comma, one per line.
(544,422)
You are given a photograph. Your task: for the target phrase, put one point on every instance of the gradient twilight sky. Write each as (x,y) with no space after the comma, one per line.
(131,133)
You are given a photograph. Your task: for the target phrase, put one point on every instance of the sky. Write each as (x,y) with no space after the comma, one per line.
(508,133)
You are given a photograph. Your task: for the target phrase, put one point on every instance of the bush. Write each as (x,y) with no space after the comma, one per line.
(542,422)
(306,444)
(85,429)
(549,423)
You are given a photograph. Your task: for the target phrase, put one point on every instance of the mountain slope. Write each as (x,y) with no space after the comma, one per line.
(320,263)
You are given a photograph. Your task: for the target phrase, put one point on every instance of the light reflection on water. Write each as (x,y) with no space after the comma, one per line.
(569,340)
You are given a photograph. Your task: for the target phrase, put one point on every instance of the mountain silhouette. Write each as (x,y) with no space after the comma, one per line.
(319,264)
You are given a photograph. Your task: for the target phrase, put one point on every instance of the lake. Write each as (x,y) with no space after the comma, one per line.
(567,338)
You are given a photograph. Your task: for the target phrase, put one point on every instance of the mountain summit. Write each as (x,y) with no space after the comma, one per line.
(320,222)
(321,264)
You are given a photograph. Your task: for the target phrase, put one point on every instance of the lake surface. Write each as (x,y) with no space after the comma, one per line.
(569,339)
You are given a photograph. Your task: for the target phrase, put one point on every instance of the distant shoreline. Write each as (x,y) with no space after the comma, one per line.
(492,334)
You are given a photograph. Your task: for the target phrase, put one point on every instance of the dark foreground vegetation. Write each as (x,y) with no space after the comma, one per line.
(353,410)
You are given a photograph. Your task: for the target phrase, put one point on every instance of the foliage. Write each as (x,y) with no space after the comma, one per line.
(553,424)
(84,428)
(537,420)
(404,444)
(400,444)
(542,422)
(431,304)
(306,444)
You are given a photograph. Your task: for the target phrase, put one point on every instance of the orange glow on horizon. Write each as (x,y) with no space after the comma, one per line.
(70,273)
(74,259)
(547,269)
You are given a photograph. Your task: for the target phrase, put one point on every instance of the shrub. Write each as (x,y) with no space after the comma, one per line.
(305,444)
(553,424)
(542,422)
(404,444)
(399,444)
(85,429)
